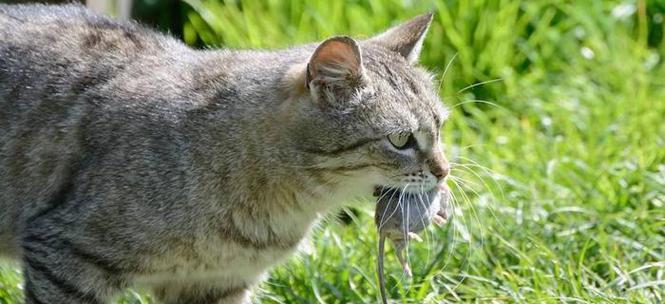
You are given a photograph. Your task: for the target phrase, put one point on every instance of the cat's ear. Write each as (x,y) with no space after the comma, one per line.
(335,70)
(407,38)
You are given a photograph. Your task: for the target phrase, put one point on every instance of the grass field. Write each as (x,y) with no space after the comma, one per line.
(557,136)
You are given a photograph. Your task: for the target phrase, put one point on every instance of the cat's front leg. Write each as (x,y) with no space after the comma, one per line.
(43,286)
(59,267)
(52,274)
(202,294)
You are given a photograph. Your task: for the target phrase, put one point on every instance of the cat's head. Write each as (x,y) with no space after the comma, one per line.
(368,115)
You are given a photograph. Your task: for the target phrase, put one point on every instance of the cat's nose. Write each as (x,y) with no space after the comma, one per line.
(441,172)
(439,166)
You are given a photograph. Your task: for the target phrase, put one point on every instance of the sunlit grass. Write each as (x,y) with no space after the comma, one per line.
(557,136)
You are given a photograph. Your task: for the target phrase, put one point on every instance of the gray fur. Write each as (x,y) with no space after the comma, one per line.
(127,158)
(399,216)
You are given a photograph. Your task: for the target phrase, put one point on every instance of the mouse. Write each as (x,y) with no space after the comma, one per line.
(399,216)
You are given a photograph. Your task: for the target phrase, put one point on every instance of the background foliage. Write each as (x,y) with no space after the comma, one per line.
(557,138)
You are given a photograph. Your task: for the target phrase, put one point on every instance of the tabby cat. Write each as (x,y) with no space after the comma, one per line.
(129,159)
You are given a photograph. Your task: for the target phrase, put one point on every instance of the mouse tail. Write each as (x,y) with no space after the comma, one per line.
(379,266)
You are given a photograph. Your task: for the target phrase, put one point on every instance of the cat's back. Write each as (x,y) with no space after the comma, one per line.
(55,59)
(73,25)
(52,40)
(51,52)
(59,64)
(63,70)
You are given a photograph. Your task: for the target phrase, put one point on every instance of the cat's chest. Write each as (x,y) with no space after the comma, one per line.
(243,251)
(230,263)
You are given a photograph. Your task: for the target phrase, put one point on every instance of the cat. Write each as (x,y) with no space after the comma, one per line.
(128,159)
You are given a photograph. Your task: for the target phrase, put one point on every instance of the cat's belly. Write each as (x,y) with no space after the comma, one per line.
(229,264)
(243,255)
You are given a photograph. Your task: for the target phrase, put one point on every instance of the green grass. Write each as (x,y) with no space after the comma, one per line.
(558,138)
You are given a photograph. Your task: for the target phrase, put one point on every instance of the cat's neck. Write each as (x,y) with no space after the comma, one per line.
(252,163)
(245,151)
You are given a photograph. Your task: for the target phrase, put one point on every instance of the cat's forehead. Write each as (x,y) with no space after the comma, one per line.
(402,92)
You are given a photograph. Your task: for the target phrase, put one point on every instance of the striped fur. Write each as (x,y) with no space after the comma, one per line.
(129,159)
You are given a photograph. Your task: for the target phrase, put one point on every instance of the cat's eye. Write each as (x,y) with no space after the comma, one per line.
(401,140)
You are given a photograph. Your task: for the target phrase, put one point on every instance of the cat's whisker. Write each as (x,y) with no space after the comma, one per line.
(445,72)
(473,212)
(383,219)
(459,180)
(467,182)
(405,216)
(491,173)
(467,101)
(470,168)
(428,233)
(399,203)
(479,84)
(399,193)
(466,199)
(453,206)
(474,163)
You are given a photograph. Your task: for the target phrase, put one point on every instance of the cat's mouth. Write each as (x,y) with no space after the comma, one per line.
(441,193)
(379,189)
(441,188)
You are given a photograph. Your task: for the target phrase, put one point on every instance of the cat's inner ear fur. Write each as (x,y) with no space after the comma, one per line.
(407,38)
(335,70)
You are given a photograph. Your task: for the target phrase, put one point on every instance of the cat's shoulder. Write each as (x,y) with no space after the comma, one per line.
(78,24)
(43,11)
(66,15)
